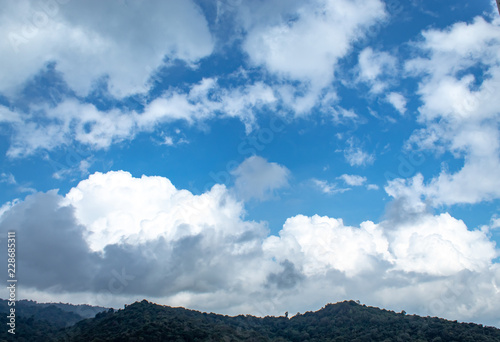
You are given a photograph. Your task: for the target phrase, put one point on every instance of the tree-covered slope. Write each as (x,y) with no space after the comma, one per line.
(43,321)
(59,314)
(346,321)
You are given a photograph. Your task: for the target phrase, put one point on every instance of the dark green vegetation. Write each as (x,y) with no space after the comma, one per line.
(60,314)
(346,321)
(41,321)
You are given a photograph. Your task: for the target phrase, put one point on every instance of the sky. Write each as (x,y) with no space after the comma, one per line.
(253,157)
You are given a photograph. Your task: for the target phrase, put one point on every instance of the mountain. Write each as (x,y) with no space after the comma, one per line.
(74,314)
(42,321)
(344,321)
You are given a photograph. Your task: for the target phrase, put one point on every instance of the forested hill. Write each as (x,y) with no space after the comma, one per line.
(40,321)
(61,314)
(345,321)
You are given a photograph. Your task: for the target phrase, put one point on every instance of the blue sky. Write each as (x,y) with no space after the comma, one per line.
(254,157)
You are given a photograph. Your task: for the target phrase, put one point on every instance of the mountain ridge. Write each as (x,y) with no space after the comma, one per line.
(342,321)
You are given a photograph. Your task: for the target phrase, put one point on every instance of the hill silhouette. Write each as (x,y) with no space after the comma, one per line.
(344,321)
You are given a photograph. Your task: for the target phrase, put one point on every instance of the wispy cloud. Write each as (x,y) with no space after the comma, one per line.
(328,188)
(376,69)
(356,156)
(256,178)
(353,180)
(398,101)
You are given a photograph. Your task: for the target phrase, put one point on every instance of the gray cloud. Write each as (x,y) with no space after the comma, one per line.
(50,247)
(287,278)
(217,261)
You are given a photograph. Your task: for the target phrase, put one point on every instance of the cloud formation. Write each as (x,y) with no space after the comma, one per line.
(257,178)
(304,43)
(142,237)
(328,188)
(73,121)
(374,67)
(86,45)
(459,112)
(356,156)
(75,78)
(398,101)
(65,42)
(353,180)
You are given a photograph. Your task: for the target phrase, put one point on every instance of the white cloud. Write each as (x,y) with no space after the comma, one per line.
(158,241)
(6,207)
(319,244)
(398,101)
(197,251)
(355,155)
(409,193)
(435,245)
(328,188)
(386,262)
(167,140)
(87,45)
(68,121)
(335,24)
(130,60)
(7,178)
(175,105)
(495,223)
(84,123)
(8,116)
(306,42)
(439,245)
(353,180)
(372,187)
(244,102)
(257,178)
(374,68)
(118,208)
(460,111)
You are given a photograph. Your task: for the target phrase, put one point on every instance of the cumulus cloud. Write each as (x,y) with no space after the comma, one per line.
(73,121)
(434,245)
(257,178)
(85,51)
(115,226)
(398,101)
(429,264)
(55,246)
(374,67)
(319,244)
(304,43)
(86,45)
(142,209)
(37,43)
(460,109)
(439,245)
(115,238)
